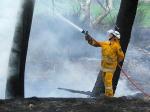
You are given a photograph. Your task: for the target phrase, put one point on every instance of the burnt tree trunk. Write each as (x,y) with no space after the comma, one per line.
(124,22)
(16,66)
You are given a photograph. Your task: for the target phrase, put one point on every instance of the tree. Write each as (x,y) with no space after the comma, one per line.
(106,10)
(17,59)
(85,10)
(125,22)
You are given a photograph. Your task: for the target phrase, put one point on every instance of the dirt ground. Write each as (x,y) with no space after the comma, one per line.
(101,104)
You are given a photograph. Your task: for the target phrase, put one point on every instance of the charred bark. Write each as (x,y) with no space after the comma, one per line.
(99,86)
(16,66)
(124,22)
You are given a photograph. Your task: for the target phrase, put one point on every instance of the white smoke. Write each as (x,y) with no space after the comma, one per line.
(57,42)
(9,10)
(137,67)
(52,43)
(56,56)
(123,89)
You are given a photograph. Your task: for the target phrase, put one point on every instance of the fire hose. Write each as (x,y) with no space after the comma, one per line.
(133,82)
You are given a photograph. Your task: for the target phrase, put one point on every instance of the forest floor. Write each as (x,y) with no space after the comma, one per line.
(101,104)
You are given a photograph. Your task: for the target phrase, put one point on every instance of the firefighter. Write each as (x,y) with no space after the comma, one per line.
(112,54)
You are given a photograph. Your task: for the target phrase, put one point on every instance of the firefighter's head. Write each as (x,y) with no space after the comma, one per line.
(113,35)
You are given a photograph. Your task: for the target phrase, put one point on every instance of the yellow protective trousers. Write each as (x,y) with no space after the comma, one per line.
(107,79)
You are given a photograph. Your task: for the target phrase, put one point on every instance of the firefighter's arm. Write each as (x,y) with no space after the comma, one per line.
(92,41)
(120,54)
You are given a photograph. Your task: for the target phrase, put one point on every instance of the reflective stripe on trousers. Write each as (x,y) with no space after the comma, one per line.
(110,60)
(108,69)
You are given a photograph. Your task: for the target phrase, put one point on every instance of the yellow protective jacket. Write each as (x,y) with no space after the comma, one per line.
(111,54)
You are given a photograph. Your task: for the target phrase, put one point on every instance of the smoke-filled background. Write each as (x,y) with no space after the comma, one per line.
(58,56)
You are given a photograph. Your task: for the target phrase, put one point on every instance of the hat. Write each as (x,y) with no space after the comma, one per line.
(115,33)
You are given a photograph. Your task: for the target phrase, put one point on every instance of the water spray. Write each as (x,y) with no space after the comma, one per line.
(72,24)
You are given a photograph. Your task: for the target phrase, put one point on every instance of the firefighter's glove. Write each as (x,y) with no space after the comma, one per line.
(88,37)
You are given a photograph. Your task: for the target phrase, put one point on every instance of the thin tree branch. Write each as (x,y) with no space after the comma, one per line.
(101,5)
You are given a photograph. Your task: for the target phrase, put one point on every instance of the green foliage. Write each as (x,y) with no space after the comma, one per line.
(139,15)
(144,10)
(142,17)
(95,10)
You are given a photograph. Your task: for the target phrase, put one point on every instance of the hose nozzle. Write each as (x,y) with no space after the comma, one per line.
(85,32)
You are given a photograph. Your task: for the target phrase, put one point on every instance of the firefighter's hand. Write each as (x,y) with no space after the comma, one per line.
(87,37)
